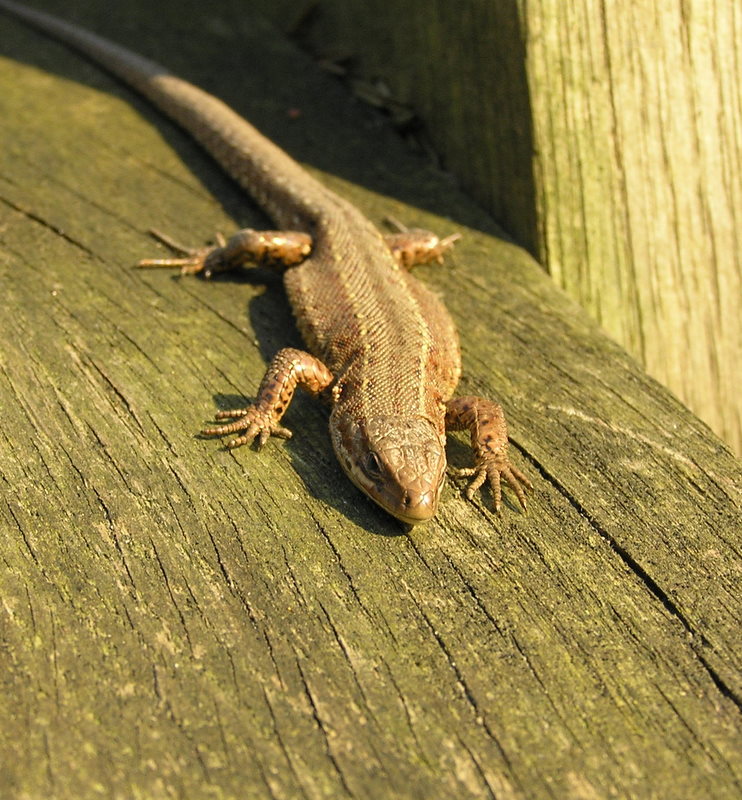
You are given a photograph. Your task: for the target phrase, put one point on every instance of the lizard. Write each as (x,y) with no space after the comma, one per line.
(382,347)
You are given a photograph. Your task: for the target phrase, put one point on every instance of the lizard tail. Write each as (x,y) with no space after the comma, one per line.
(252,159)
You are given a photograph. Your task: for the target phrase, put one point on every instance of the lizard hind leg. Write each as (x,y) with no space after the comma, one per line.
(280,249)
(485,420)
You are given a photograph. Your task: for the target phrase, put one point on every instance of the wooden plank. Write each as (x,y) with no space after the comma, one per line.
(605,139)
(178,620)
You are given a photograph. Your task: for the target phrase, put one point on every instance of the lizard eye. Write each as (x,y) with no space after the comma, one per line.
(372,465)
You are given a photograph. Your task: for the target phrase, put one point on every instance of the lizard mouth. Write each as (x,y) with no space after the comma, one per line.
(411,508)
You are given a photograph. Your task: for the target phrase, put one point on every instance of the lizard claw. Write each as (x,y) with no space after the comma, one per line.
(494,468)
(192,261)
(485,420)
(254,421)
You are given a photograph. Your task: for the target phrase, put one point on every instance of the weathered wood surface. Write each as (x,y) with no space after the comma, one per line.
(605,137)
(181,621)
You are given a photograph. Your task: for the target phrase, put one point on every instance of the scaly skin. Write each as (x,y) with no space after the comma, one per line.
(383,347)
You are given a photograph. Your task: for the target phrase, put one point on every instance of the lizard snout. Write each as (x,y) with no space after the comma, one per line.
(418,507)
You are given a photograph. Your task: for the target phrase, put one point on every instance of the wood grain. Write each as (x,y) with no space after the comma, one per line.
(180,621)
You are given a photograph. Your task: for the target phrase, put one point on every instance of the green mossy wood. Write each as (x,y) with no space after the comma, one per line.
(177,620)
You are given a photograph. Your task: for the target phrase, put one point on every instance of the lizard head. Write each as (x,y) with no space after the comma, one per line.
(399,462)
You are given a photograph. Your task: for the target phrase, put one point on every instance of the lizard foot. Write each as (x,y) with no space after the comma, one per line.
(413,246)
(254,421)
(485,420)
(193,260)
(495,467)
(288,369)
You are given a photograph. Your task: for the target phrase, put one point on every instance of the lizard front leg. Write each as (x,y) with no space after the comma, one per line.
(485,421)
(269,248)
(288,369)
